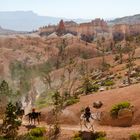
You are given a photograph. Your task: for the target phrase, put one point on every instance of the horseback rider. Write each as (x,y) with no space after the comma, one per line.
(33,110)
(33,116)
(87,113)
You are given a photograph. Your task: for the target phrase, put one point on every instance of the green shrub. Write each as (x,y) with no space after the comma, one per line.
(71,101)
(108,83)
(37,132)
(78,138)
(85,55)
(115,109)
(34,134)
(94,136)
(119,77)
(135,136)
(90,88)
(29,137)
(2,138)
(95,88)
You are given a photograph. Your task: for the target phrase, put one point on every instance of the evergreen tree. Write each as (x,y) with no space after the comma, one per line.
(4,88)
(10,122)
(5,93)
(58,105)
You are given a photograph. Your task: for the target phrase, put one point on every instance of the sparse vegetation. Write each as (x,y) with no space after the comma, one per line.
(93,136)
(71,101)
(115,109)
(55,72)
(135,136)
(38,133)
(108,83)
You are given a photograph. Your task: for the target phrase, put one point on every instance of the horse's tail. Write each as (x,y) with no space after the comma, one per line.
(27,114)
(23,111)
(39,113)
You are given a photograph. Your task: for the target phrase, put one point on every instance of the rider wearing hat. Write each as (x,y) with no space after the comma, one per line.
(87,113)
(33,110)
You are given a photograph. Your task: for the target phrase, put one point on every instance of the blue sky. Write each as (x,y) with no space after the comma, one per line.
(75,8)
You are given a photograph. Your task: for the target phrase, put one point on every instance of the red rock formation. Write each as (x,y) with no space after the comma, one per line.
(99,22)
(127,29)
(94,27)
(61,28)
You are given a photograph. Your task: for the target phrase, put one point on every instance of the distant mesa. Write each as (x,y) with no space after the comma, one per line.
(28,20)
(6,31)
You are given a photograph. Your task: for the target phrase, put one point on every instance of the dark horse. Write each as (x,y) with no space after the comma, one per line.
(19,110)
(34,116)
(20,113)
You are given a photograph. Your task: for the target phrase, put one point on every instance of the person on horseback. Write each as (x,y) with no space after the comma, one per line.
(33,111)
(87,113)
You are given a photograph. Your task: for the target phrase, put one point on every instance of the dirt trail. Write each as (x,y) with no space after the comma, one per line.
(113,133)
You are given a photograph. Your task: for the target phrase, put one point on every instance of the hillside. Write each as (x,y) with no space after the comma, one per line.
(78,70)
(135,19)
(109,98)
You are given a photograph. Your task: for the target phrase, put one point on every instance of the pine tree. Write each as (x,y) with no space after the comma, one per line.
(4,88)
(10,122)
(5,93)
(58,105)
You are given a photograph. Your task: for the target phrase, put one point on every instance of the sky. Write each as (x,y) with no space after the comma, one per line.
(75,8)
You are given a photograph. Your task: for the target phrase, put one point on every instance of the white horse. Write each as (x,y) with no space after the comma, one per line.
(89,124)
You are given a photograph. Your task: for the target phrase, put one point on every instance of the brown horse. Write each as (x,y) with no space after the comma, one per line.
(33,117)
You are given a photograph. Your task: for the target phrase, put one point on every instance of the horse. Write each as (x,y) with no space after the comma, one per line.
(89,123)
(34,116)
(20,113)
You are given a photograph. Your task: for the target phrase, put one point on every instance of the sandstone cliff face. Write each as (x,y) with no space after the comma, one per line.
(93,27)
(127,29)
(96,27)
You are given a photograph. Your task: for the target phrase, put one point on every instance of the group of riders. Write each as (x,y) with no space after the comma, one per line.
(87,114)
(35,116)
